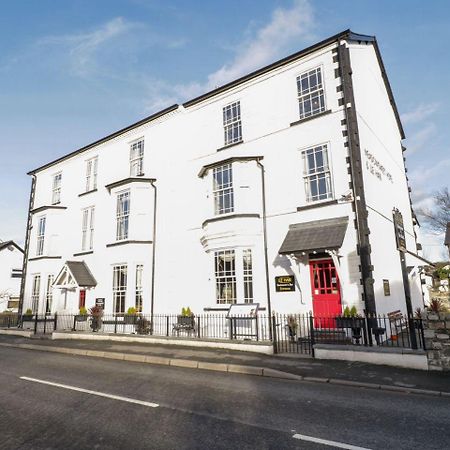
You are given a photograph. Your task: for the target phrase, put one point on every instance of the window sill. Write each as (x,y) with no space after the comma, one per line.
(230,145)
(87,252)
(36,258)
(229,216)
(318,204)
(315,116)
(115,244)
(87,192)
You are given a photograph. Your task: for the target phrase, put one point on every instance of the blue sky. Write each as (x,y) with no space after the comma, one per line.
(73,71)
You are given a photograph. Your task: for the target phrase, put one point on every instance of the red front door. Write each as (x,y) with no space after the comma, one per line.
(326,296)
(82,300)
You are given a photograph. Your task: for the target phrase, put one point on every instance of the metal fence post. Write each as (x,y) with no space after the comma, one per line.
(35,323)
(198,327)
(311,333)
(74,323)
(274,334)
(55,325)
(167,326)
(115,324)
(45,323)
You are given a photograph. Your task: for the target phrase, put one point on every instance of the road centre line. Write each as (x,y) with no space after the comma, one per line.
(302,437)
(87,391)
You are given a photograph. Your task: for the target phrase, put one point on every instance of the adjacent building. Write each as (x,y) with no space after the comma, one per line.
(277,188)
(11,261)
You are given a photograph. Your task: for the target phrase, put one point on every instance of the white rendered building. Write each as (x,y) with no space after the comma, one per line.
(11,261)
(292,171)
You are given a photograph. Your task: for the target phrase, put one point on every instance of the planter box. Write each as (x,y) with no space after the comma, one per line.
(185,321)
(130,319)
(349,322)
(27,318)
(81,317)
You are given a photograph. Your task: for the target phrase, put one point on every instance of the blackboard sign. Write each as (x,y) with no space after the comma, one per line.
(100,302)
(285,283)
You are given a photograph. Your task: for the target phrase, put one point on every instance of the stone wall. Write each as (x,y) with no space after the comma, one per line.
(437,340)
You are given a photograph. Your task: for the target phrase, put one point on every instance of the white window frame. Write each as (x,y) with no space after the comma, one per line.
(40,238)
(122,216)
(321,170)
(247,273)
(232,124)
(49,294)
(307,95)
(87,228)
(56,188)
(119,290)
(35,293)
(91,174)
(137,158)
(226,287)
(223,192)
(139,288)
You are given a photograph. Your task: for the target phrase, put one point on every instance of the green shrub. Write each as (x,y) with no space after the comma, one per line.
(131,311)
(83,311)
(28,312)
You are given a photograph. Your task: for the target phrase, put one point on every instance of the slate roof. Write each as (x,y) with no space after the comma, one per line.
(324,234)
(7,244)
(81,273)
(447,236)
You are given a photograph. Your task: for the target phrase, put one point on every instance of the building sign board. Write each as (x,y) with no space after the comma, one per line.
(100,302)
(285,283)
(399,230)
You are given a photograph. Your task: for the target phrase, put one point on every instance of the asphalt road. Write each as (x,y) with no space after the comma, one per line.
(57,401)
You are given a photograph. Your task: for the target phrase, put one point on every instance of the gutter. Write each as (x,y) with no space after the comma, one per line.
(152,304)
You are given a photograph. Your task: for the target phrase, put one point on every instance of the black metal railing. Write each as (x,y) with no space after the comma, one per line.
(292,333)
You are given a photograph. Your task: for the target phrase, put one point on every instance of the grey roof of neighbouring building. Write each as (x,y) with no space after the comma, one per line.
(7,244)
(447,236)
(316,235)
(81,273)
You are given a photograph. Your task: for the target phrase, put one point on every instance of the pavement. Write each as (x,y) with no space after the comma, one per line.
(53,401)
(295,367)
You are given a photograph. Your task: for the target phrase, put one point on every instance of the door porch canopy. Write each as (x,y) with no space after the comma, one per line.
(74,274)
(317,235)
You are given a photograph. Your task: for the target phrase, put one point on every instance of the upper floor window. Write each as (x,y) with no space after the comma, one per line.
(122,215)
(119,288)
(137,158)
(316,173)
(223,189)
(87,229)
(310,93)
(40,236)
(232,123)
(91,174)
(56,189)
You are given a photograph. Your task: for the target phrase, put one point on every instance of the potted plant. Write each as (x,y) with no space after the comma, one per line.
(142,325)
(28,316)
(130,316)
(82,315)
(96,318)
(351,319)
(186,319)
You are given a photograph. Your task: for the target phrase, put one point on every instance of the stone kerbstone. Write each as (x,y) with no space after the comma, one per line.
(442,336)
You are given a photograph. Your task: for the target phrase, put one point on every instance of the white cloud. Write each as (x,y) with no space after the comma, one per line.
(420,139)
(261,46)
(420,113)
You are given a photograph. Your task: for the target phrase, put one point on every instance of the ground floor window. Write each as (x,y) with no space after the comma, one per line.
(139,288)
(49,294)
(35,293)
(119,288)
(234,276)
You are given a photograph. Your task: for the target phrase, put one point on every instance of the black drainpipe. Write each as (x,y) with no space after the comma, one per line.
(266,257)
(27,245)
(155,190)
(357,183)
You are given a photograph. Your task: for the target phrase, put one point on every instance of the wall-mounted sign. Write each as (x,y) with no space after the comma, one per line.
(386,288)
(285,283)
(399,230)
(100,302)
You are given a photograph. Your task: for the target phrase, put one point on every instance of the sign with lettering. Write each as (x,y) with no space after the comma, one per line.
(376,168)
(399,230)
(100,302)
(285,283)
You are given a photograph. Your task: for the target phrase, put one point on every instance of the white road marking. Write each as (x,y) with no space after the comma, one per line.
(87,391)
(302,437)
